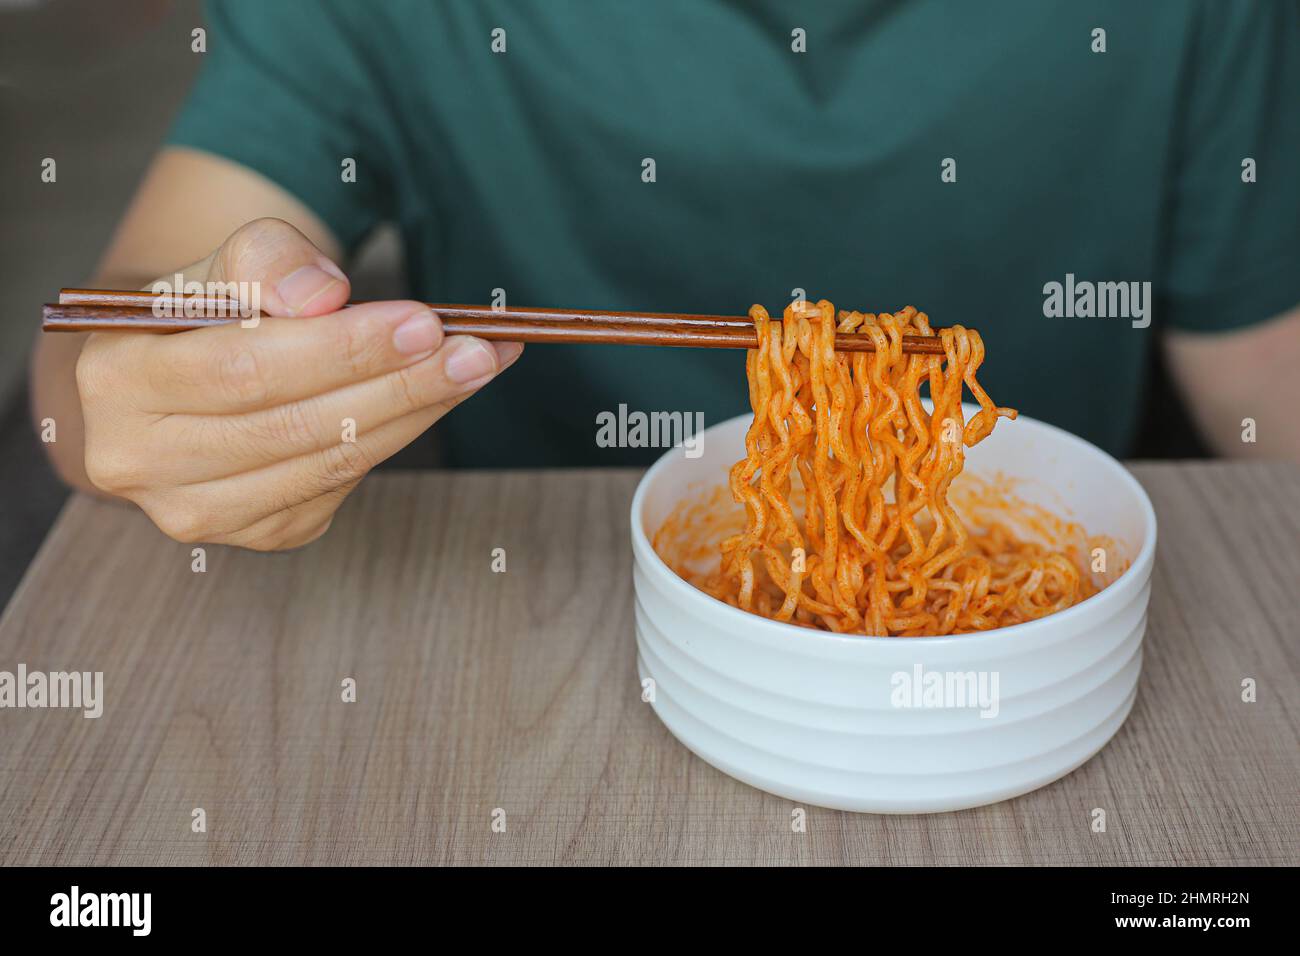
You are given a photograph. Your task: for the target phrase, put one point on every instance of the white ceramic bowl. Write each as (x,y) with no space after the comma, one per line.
(816,717)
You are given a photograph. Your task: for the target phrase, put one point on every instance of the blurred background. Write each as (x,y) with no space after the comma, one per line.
(94,85)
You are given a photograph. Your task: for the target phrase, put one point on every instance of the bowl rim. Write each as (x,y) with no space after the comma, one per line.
(1134,577)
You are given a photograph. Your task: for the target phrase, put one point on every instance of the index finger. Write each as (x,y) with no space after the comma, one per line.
(229,368)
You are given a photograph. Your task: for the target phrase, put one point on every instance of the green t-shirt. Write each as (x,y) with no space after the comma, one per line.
(958,157)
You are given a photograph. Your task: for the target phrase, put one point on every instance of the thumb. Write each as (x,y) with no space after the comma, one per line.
(293,276)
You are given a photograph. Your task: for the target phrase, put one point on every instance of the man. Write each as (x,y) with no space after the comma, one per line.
(1013,167)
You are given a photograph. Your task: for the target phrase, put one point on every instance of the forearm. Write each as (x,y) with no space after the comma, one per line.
(1254,425)
(1242,387)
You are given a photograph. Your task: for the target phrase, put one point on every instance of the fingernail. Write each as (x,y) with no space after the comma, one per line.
(421,332)
(507,352)
(305,283)
(331,268)
(470,360)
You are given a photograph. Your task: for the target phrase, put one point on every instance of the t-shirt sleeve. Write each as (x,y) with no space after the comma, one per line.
(1232,247)
(286,91)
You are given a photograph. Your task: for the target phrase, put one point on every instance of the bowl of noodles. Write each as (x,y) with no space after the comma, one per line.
(868,598)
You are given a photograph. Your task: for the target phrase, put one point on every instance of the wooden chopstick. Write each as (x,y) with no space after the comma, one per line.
(110,310)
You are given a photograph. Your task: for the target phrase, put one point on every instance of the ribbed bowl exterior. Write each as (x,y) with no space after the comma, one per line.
(838,721)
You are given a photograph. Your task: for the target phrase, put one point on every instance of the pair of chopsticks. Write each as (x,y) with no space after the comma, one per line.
(107,310)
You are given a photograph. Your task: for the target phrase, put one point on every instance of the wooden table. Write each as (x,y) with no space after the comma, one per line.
(479,690)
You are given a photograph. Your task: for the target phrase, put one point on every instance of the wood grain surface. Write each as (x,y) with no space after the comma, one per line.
(478,690)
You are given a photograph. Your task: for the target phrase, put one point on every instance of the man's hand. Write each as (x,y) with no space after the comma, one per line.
(241,435)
